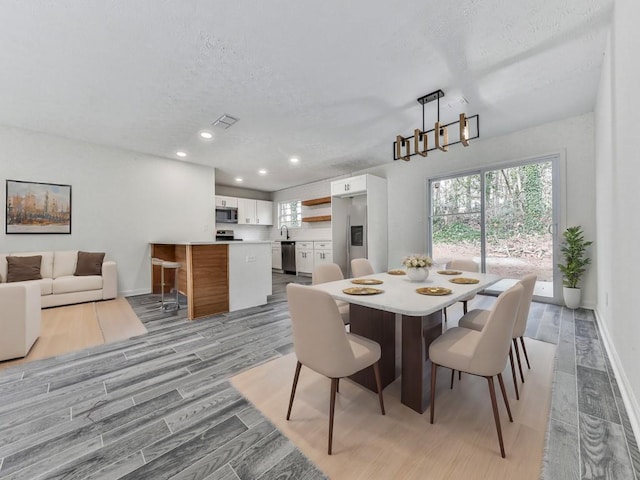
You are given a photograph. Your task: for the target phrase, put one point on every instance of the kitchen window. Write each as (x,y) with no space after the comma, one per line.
(290,214)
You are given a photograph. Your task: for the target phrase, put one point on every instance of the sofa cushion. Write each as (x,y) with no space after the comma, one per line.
(3,267)
(46,267)
(89,263)
(64,263)
(21,269)
(45,285)
(73,283)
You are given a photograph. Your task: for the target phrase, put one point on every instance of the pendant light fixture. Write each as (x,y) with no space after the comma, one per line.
(402,147)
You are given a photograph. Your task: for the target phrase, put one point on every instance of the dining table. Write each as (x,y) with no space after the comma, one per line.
(372,314)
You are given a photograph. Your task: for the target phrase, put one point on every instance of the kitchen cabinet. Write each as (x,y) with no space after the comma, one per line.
(276,256)
(304,257)
(226,202)
(322,253)
(264,212)
(348,187)
(254,212)
(246,211)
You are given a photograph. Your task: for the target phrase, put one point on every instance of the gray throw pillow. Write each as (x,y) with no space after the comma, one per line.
(21,269)
(89,263)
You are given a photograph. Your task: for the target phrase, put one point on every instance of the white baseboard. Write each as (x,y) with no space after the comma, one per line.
(131,293)
(630,402)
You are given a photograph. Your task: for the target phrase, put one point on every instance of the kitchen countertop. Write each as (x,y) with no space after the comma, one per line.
(298,240)
(211,242)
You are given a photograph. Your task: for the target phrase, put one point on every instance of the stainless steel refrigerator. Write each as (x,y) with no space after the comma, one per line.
(356,230)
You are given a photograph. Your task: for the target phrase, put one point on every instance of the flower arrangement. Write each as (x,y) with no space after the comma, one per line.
(417,261)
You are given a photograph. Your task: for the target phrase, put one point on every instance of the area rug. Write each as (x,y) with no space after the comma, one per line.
(71,328)
(462,443)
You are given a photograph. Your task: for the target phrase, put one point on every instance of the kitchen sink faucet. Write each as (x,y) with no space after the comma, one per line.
(285,229)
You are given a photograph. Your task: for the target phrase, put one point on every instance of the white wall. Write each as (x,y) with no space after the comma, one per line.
(572,138)
(120,200)
(309,231)
(618,199)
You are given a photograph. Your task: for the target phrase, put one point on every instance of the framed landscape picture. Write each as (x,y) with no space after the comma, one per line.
(34,207)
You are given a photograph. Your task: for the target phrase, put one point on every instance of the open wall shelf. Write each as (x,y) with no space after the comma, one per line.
(316,201)
(317,218)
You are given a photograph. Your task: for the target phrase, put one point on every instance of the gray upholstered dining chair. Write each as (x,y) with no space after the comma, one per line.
(477,318)
(321,343)
(361,267)
(482,353)
(330,272)
(465,265)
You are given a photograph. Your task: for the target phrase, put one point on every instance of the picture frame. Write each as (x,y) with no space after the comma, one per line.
(37,208)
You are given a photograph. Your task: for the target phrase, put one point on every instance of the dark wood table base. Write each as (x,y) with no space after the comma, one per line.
(381,327)
(417,335)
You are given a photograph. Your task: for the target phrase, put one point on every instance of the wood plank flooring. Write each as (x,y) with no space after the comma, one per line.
(160,405)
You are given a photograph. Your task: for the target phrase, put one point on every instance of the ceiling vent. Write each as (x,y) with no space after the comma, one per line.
(225,121)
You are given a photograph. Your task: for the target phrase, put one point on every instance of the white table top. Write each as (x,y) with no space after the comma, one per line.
(400,294)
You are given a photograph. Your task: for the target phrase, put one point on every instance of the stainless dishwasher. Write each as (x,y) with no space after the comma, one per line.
(289,257)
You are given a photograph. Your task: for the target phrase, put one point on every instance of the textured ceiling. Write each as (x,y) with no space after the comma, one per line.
(329,82)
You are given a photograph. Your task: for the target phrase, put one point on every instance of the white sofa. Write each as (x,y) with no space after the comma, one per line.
(59,286)
(21,318)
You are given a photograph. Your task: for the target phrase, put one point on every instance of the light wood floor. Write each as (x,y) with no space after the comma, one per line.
(74,327)
(462,443)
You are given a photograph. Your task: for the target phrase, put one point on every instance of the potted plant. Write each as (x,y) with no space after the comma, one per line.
(417,266)
(576,260)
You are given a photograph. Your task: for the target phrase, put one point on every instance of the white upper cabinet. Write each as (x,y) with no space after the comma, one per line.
(222,201)
(264,212)
(246,211)
(250,211)
(348,187)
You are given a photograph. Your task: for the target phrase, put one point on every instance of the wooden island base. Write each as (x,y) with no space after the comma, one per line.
(216,277)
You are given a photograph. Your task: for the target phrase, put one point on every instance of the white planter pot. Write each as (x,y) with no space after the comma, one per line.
(417,274)
(571,297)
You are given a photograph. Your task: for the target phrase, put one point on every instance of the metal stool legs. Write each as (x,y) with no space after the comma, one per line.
(163,264)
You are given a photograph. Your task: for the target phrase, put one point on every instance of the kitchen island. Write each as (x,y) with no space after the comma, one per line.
(216,277)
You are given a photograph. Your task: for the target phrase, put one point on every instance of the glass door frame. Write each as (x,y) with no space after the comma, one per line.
(558,166)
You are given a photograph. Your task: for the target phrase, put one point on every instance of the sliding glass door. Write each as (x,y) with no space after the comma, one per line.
(502,218)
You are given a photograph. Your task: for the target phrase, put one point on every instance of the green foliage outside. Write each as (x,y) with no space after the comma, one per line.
(517,204)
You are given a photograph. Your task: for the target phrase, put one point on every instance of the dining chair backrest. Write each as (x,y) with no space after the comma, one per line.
(326,272)
(490,355)
(319,338)
(528,284)
(361,267)
(464,264)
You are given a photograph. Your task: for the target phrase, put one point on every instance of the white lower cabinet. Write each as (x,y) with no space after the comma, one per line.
(304,257)
(322,253)
(276,255)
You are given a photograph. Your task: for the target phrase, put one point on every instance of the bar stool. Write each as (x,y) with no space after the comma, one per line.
(165,264)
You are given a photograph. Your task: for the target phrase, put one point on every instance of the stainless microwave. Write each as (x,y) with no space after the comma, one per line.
(226,215)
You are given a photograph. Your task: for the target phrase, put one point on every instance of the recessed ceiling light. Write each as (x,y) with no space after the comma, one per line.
(294,159)
(238,179)
(206,135)
(262,171)
(181,154)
